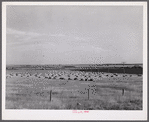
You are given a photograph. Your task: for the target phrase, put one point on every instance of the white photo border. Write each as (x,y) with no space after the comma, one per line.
(8,114)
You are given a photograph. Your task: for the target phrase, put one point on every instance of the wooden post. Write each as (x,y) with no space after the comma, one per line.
(50,95)
(123,92)
(88,93)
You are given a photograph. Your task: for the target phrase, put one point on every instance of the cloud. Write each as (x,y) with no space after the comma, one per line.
(12,31)
(99,49)
(21,33)
(28,35)
(91,48)
(56,35)
(80,38)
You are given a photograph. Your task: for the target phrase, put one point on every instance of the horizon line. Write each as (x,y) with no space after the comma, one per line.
(75,64)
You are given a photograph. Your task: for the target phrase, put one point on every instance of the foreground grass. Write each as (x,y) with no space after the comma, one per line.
(34,93)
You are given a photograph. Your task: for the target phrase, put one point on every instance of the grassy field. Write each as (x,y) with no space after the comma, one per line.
(108,93)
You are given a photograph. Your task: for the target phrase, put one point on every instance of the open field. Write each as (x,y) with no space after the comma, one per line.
(65,89)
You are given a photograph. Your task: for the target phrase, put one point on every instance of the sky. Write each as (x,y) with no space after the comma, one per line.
(74,34)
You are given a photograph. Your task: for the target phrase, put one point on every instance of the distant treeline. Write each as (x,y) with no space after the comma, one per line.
(135,69)
(127,70)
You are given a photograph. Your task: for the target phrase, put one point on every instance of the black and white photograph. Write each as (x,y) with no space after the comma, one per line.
(78,59)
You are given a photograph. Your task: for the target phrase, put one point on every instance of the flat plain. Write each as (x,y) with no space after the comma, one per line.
(72,90)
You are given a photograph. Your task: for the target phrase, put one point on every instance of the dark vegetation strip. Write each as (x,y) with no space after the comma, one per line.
(127,70)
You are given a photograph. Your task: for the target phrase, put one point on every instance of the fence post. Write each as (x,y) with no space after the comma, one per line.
(50,95)
(123,92)
(88,94)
